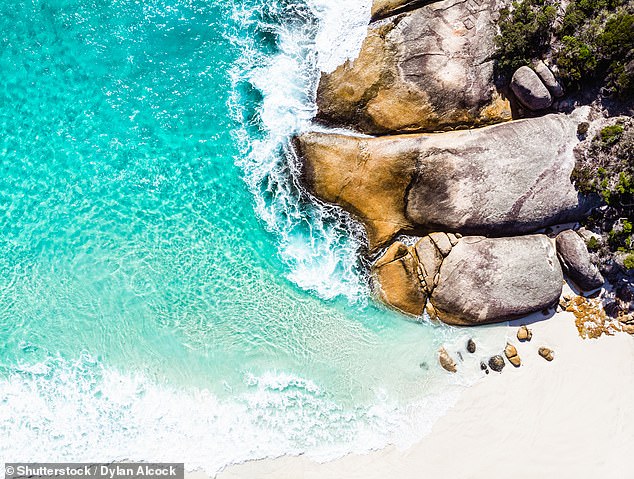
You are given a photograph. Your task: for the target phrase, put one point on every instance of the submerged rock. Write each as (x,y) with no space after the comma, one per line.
(425,70)
(496,363)
(446,361)
(575,260)
(505,179)
(485,280)
(471,346)
(530,90)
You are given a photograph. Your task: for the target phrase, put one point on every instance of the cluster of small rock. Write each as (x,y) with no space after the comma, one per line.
(536,87)
(496,363)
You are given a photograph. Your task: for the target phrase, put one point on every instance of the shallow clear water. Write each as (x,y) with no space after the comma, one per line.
(163,282)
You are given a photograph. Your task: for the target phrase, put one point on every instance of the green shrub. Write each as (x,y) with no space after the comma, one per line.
(611,134)
(628,262)
(525,32)
(575,60)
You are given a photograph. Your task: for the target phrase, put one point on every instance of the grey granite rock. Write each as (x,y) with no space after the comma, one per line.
(530,90)
(576,263)
(486,280)
(548,79)
(425,70)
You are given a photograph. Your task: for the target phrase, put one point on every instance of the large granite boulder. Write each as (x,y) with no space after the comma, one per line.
(576,263)
(426,70)
(481,280)
(530,90)
(366,177)
(485,280)
(502,180)
(395,280)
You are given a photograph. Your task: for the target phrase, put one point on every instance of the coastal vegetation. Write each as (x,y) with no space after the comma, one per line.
(591,43)
(605,167)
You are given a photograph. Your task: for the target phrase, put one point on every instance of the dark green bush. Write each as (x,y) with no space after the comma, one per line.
(594,44)
(575,60)
(525,32)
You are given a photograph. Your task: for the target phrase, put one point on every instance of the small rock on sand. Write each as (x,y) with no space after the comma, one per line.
(471,346)
(446,361)
(547,354)
(496,363)
(524,334)
(511,355)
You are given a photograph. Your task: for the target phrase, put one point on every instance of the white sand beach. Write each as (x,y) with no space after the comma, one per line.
(570,418)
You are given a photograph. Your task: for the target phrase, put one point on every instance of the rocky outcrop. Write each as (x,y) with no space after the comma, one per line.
(502,180)
(396,282)
(485,280)
(530,90)
(426,70)
(505,179)
(576,262)
(481,280)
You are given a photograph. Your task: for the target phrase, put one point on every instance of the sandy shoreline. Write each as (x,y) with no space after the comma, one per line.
(572,417)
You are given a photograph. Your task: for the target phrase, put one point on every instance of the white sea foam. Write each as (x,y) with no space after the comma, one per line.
(83,412)
(318,243)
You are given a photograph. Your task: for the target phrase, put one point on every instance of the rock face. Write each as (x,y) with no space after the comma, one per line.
(505,179)
(530,90)
(385,8)
(425,70)
(576,263)
(485,280)
(366,177)
(395,278)
(502,180)
(547,354)
(548,79)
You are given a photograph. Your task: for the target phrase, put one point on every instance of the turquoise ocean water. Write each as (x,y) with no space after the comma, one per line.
(166,291)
